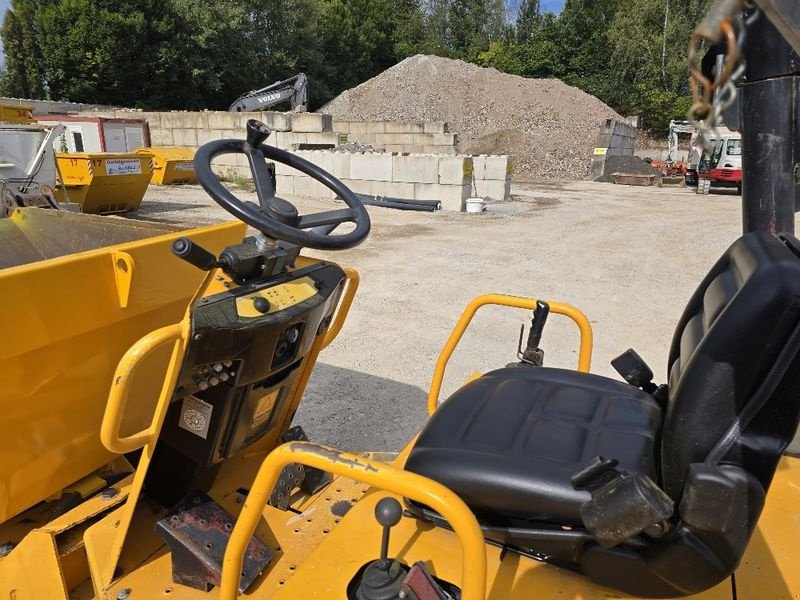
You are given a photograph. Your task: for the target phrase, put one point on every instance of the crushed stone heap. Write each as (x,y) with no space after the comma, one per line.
(548,127)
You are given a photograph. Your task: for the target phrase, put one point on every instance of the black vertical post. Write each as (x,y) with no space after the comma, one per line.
(770,131)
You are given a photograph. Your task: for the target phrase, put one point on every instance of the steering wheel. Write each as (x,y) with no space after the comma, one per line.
(277,218)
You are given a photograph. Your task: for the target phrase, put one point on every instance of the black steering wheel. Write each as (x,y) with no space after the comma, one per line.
(275,217)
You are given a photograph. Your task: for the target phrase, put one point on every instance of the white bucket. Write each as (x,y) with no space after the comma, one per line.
(475,205)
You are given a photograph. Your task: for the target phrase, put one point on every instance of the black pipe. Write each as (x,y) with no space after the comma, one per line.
(770,131)
(400,203)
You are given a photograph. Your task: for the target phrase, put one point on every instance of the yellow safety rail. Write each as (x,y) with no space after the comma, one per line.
(584,354)
(349,294)
(380,475)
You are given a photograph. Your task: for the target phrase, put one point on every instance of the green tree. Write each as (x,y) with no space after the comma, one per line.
(23,77)
(529,20)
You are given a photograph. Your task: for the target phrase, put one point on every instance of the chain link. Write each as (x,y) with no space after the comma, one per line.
(707,107)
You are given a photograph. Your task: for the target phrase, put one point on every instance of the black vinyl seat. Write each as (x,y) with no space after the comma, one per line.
(509,442)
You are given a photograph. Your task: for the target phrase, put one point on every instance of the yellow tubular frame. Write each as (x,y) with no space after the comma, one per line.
(349,294)
(379,475)
(584,354)
(121,387)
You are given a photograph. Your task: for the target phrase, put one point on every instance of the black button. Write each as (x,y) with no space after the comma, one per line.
(261,304)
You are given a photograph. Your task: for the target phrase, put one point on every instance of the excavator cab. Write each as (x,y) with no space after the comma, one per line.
(150,402)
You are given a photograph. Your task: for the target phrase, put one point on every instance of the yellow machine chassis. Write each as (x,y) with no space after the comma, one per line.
(106,548)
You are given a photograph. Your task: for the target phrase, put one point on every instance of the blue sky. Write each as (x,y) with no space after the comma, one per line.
(551,5)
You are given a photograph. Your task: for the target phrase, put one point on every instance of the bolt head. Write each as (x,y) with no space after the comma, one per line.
(124,594)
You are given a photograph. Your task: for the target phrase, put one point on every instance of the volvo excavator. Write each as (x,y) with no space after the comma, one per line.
(151,378)
(293,90)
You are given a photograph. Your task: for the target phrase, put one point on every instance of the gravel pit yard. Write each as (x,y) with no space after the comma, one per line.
(628,257)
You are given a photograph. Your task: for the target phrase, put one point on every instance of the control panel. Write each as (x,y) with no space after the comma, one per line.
(241,364)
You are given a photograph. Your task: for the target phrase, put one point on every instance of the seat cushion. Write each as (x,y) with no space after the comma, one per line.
(509,442)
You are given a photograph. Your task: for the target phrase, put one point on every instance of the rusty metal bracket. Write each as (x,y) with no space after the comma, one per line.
(197,531)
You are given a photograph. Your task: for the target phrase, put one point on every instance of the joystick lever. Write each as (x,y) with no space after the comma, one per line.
(388,513)
(383,578)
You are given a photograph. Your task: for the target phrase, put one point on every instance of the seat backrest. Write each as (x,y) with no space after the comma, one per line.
(736,324)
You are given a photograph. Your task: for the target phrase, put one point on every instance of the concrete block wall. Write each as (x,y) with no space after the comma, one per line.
(393,136)
(447,179)
(492,176)
(616,138)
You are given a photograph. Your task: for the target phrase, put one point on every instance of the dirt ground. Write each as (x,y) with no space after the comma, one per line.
(628,257)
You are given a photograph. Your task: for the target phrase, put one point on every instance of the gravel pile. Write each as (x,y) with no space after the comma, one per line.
(628,165)
(548,127)
(357,147)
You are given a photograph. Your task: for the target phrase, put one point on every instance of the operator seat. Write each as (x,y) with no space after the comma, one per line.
(510,442)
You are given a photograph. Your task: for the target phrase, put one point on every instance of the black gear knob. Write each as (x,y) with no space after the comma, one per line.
(388,512)
(257,132)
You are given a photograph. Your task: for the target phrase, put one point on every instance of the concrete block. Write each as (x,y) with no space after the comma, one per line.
(444,150)
(341,126)
(456,170)
(287,140)
(223,120)
(209,135)
(397,127)
(340,165)
(284,184)
(357,127)
(435,127)
(322,138)
(312,123)
(305,186)
(497,167)
(227,160)
(452,197)
(153,118)
(184,137)
(479,167)
(277,121)
(396,189)
(184,120)
(493,189)
(395,148)
(394,139)
(415,169)
(359,186)
(363,138)
(445,139)
(376,127)
(284,170)
(371,167)
(424,139)
(161,137)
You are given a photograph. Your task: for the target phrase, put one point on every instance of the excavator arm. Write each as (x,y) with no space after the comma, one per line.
(293,90)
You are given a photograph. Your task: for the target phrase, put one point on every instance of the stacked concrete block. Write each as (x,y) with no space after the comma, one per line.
(616,138)
(408,138)
(312,123)
(492,176)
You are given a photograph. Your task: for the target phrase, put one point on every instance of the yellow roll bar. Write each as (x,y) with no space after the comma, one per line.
(380,475)
(584,354)
(121,387)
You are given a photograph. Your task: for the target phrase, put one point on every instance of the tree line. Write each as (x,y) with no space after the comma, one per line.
(197,54)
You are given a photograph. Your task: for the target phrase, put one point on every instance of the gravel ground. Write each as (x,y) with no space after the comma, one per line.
(628,257)
(547,126)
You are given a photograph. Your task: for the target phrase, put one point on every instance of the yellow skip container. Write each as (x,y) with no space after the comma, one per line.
(172,165)
(104,182)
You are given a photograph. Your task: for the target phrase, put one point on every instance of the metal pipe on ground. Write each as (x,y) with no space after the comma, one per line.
(400,203)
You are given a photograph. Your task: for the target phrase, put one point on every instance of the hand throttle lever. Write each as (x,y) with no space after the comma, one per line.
(194,254)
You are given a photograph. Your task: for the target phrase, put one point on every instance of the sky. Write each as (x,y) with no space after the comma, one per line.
(551,5)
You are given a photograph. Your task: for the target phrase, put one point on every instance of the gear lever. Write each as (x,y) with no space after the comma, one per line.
(383,578)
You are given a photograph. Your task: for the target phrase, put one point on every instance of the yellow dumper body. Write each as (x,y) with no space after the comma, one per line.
(172,165)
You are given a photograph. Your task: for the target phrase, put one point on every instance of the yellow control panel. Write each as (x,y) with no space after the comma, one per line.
(276,298)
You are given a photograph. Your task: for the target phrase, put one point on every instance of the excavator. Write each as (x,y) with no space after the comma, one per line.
(151,377)
(293,90)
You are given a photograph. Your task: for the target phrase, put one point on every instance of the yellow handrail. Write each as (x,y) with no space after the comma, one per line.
(121,387)
(349,294)
(380,475)
(584,355)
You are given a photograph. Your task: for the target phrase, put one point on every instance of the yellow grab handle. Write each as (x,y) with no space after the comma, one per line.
(584,355)
(121,387)
(380,475)
(352,282)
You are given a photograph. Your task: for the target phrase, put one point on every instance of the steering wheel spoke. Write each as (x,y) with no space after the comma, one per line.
(273,216)
(329,217)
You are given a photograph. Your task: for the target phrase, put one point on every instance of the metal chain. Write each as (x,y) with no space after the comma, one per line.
(707,107)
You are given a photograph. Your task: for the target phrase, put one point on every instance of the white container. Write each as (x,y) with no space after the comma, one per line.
(475,205)
(19,148)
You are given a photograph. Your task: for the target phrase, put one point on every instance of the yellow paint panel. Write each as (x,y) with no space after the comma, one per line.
(280,297)
(600,151)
